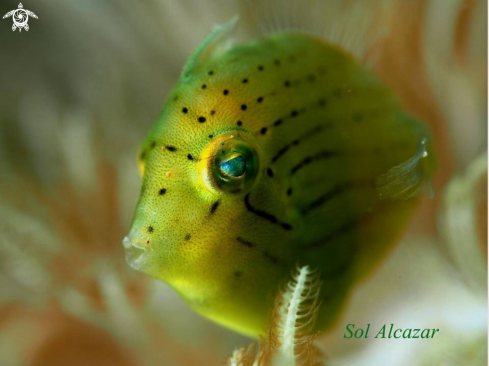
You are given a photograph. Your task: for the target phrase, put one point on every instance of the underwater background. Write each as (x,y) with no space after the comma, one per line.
(81,88)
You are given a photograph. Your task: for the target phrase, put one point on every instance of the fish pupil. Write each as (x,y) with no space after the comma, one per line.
(234,167)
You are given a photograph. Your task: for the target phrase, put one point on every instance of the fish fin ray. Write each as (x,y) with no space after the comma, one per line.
(406,180)
(356,26)
(215,43)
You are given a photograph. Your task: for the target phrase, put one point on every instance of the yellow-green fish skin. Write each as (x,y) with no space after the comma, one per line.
(334,169)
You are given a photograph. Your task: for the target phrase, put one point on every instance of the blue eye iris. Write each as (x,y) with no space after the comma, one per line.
(230,163)
(234,167)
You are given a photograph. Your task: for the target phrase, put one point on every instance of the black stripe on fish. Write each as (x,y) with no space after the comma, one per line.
(296,142)
(244,242)
(343,229)
(338,189)
(322,155)
(264,214)
(322,102)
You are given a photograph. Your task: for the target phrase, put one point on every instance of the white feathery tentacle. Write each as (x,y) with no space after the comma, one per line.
(297,314)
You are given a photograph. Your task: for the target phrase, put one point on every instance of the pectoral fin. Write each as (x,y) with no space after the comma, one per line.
(408,179)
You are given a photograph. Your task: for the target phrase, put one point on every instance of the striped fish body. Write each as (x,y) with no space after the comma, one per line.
(268,155)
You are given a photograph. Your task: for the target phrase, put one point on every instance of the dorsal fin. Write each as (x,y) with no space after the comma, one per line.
(214,44)
(406,180)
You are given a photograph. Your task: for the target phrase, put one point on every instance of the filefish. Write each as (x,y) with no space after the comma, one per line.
(282,152)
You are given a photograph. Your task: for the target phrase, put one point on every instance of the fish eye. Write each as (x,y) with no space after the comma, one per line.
(229,163)
(234,167)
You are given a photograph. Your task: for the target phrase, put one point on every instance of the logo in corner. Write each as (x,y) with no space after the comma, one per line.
(20,17)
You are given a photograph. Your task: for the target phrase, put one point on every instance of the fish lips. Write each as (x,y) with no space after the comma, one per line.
(137,256)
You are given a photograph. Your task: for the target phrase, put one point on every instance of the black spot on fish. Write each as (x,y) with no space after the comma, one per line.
(153,144)
(150,229)
(211,136)
(162,191)
(239,123)
(289,191)
(294,113)
(187,237)
(171,148)
(244,107)
(245,81)
(214,206)
(213,112)
(204,86)
(263,130)
(202,119)
(287,84)
(225,92)
(277,122)
(190,157)
(260,68)
(260,99)
(211,72)
(185,110)
(270,172)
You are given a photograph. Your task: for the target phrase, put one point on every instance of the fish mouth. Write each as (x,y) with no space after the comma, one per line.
(134,253)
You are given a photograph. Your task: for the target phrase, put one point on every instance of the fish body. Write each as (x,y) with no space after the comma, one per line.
(267,155)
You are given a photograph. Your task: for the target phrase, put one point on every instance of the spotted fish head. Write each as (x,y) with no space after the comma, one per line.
(207,210)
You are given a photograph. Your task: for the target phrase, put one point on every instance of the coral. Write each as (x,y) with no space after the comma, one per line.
(289,342)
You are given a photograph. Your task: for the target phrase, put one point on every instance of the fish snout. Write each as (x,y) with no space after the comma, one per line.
(136,248)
